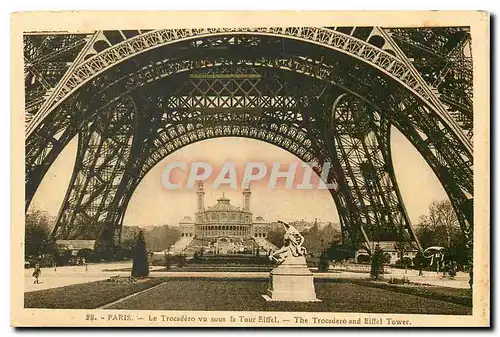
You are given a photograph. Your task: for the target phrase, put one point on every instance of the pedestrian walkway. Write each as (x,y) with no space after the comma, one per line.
(461,280)
(69,275)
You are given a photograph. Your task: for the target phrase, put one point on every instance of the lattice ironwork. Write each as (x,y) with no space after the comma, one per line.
(368,82)
(103,152)
(443,56)
(46,60)
(360,140)
(331,39)
(324,95)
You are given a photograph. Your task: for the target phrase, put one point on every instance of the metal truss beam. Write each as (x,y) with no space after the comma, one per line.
(111,88)
(284,100)
(390,65)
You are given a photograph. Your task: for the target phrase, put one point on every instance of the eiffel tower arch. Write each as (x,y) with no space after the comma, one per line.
(323,94)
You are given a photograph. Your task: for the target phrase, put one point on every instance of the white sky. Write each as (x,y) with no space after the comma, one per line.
(152,205)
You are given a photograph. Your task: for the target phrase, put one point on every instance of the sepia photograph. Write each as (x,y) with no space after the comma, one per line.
(309,169)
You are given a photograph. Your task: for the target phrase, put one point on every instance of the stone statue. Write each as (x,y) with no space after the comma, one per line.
(292,247)
(291,280)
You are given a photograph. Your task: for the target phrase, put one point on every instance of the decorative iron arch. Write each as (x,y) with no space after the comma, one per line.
(408,101)
(301,65)
(382,60)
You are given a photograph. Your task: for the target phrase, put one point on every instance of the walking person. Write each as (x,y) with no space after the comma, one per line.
(453,270)
(36,273)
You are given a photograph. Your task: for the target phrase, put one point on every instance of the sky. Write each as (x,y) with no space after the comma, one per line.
(152,204)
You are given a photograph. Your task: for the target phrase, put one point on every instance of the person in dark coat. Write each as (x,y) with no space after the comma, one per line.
(36,273)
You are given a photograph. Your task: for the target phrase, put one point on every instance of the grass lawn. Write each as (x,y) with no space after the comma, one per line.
(86,295)
(454,295)
(245,295)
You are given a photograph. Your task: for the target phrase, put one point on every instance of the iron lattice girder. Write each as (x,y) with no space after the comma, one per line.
(363,80)
(150,73)
(274,119)
(156,145)
(102,155)
(447,154)
(361,140)
(327,38)
(224,124)
(443,56)
(312,69)
(47,58)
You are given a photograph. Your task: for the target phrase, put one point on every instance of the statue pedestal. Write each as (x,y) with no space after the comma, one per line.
(291,281)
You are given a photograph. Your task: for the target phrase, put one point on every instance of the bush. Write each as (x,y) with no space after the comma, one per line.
(140,266)
(323,263)
(398,280)
(88,254)
(181,260)
(377,265)
(169,261)
(121,279)
(339,253)
(363,259)
(63,258)
(405,262)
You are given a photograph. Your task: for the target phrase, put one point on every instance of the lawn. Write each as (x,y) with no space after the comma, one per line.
(86,295)
(245,295)
(454,295)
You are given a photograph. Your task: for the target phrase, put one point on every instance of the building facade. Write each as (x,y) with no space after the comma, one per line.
(186,226)
(223,219)
(389,248)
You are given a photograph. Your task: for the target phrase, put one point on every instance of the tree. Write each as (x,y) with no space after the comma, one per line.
(86,253)
(275,236)
(386,258)
(404,262)
(318,239)
(180,260)
(169,261)
(377,266)
(313,240)
(323,263)
(161,237)
(362,258)
(331,233)
(125,250)
(37,235)
(140,266)
(440,227)
(339,252)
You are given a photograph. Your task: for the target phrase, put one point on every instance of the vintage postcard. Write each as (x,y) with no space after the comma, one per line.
(250,169)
